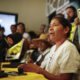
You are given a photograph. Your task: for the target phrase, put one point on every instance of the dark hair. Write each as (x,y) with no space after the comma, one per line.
(14,25)
(43,25)
(60,15)
(72,7)
(16,37)
(32,34)
(2,28)
(65,24)
(45,42)
(23,25)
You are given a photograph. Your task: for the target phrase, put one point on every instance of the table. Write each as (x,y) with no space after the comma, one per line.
(29,76)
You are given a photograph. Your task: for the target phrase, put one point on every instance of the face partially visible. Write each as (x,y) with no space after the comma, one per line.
(56,31)
(42,46)
(13,29)
(33,44)
(70,13)
(76,21)
(10,40)
(20,29)
(42,28)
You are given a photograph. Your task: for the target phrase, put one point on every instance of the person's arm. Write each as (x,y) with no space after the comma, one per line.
(65,76)
(50,76)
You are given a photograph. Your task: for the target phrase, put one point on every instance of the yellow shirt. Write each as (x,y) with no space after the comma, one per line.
(72,32)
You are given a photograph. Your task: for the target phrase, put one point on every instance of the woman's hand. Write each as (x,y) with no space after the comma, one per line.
(30,68)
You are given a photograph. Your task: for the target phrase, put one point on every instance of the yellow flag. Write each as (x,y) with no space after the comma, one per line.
(72,32)
(15,51)
(79,15)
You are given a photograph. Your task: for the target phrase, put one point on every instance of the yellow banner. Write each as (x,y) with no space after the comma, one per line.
(79,15)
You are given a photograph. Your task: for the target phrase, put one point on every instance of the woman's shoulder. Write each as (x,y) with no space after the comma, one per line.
(68,43)
(69,46)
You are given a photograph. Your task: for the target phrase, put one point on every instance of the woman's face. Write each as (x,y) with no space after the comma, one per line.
(56,31)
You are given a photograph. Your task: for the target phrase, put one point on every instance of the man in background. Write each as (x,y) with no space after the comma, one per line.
(42,31)
(13,28)
(71,13)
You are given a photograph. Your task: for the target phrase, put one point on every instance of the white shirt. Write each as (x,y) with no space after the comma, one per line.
(65,60)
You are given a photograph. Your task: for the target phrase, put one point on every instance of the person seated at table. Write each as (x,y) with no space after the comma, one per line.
(7,42)
(33,50)
(63,61)
(14,38)
(21,29)
(3,48)
(44,47)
